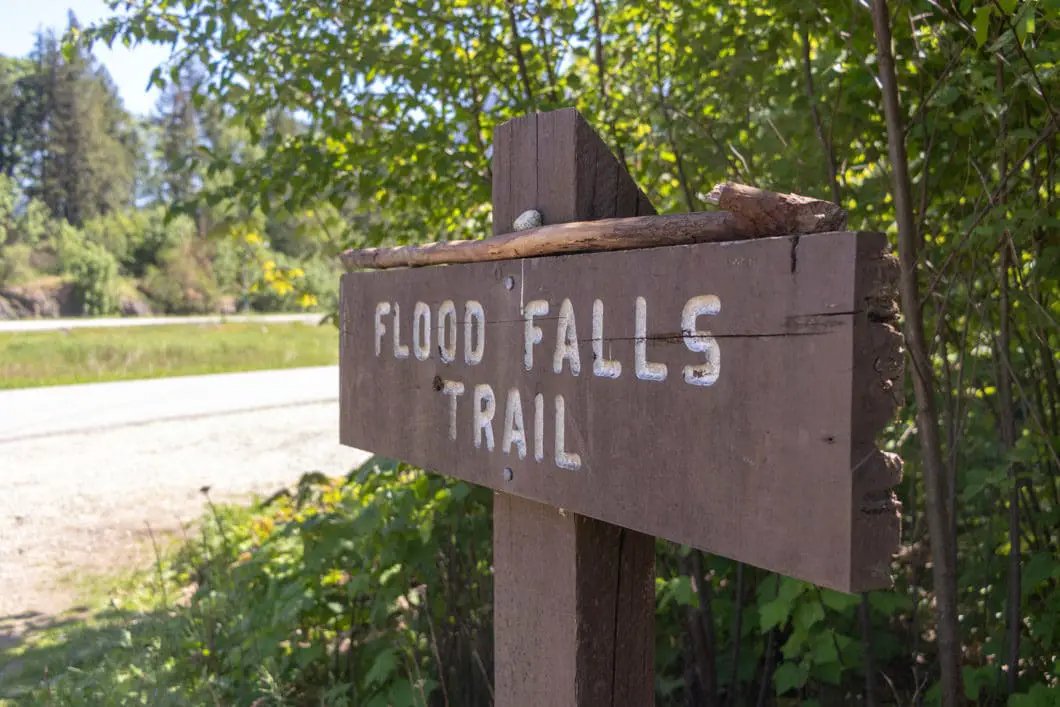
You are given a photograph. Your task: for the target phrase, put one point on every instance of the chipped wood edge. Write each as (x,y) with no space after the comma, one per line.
(877,394)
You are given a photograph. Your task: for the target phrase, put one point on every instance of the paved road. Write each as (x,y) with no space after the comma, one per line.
(13,325)
(84,468)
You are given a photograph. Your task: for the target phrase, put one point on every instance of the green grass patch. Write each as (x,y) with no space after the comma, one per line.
(33,359)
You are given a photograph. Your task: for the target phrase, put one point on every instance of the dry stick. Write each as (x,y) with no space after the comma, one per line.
(942,540)
(750,213)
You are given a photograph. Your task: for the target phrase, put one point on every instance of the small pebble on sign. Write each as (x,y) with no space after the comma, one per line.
(509,283)
(527,220)
(508,475)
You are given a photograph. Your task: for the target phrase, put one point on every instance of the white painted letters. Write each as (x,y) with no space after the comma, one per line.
(566,341)
(646,370)
(532,334)
(539,427)
(474,322)
(440,329)
(447,331)
(701,341)
(485,407)
(602,367)
(381,310)
(453,390)
(421,331)
(514,430)
(400,350)
(564,459)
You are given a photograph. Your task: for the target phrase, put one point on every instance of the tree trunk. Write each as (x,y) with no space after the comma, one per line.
(943,541)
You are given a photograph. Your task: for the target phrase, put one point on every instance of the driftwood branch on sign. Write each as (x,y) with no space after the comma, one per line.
(747,213)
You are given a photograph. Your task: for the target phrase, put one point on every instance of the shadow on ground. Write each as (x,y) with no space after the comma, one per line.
(34,645)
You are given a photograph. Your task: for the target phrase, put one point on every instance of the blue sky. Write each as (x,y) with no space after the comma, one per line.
(130,68)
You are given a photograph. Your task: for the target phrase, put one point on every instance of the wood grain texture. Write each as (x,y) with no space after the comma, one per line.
(750,213)
(761,466)
(574,596)
(773,213)
(557,239)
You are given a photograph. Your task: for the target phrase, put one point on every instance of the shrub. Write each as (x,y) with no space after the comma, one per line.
(183,282)
(346,592)
(92,270)
(94,274)
(16,265)
(139,238)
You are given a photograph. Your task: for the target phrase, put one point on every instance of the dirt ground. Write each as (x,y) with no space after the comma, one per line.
(78,505)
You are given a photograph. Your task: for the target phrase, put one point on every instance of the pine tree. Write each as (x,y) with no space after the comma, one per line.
(86,161)
(178,134)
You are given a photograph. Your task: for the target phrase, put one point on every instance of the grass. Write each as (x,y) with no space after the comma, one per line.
(105,650)
(34,359)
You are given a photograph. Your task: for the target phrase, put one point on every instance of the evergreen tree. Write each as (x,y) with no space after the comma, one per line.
(20,114)
(85,165)
(178,135)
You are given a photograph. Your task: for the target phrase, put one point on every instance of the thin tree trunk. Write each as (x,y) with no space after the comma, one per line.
(601,69)
(1007,421)
(702,636)
(943,542)
(733,695)
(866,649)
(517,49)
(826,144)
(706,613)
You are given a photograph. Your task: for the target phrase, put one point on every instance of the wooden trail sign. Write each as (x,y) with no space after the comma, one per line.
(721,395)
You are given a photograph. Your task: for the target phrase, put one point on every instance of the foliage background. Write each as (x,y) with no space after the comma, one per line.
(100,211)
(394,105)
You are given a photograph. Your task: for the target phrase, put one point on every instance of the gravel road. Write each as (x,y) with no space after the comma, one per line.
(84,469)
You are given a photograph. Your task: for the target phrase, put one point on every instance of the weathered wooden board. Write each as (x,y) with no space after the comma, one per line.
(726,396)
(573,596)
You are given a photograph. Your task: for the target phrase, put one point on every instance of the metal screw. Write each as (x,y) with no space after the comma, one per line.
(509,283)
(508,475)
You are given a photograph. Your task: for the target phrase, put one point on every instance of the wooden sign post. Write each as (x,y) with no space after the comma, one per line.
(723,395)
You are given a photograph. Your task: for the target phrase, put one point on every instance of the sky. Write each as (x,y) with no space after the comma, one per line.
(130,68)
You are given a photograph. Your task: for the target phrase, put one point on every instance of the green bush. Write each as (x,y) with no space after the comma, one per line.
(15,264)
(183,281)
(139,238)
(345,592)
(95,281)
(375,590)
(92,269)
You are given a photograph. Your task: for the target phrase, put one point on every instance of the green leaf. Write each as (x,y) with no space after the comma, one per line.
(773,613)
(402,694)
(683,592)
(789,676)
(808,614)
(982,23)
(382,667)
(838,601)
